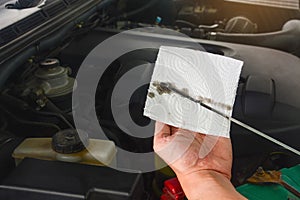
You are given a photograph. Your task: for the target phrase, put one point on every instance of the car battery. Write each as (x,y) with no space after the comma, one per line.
(172,190)
(273,191)
(48,180)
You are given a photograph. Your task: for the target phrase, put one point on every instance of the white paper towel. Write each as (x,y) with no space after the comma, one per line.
(209,77)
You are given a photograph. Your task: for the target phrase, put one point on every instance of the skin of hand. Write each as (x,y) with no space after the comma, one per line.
(201,162)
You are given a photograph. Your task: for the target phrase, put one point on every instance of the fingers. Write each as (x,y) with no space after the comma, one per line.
(171,143)
(162,130)
(161,133)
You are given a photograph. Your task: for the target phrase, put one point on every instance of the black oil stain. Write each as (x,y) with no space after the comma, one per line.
(185,92)
(151,95)
(160,89)
(210,101)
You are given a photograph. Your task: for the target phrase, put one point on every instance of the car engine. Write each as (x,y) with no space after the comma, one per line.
(41,54)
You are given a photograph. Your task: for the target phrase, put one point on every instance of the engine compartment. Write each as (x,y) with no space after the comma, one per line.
(36,100)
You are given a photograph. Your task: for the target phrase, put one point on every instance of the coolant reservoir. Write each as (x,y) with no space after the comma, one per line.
(69,147)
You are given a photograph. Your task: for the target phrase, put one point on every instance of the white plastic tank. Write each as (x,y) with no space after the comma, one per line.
(68,147)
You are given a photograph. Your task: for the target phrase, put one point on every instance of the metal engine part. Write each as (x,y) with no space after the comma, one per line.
(53,79)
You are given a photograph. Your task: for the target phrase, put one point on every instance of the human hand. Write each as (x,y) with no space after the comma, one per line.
(186,151)
(197,158)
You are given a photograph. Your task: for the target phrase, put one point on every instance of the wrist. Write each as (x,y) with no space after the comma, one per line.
(207,184)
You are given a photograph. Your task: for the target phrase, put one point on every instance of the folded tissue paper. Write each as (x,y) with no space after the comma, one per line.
(209,78)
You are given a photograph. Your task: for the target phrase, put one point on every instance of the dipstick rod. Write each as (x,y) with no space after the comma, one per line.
(168,86)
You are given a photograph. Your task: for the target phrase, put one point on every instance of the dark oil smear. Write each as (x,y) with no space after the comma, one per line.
(167,88)
(151,95)
(210,101)
(161,89)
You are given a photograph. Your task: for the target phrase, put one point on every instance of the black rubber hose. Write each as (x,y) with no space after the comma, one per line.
(51,106)
(20,104)
(184,23)
(26,122)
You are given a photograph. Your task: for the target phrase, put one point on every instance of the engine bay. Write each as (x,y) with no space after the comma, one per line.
(38,80)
